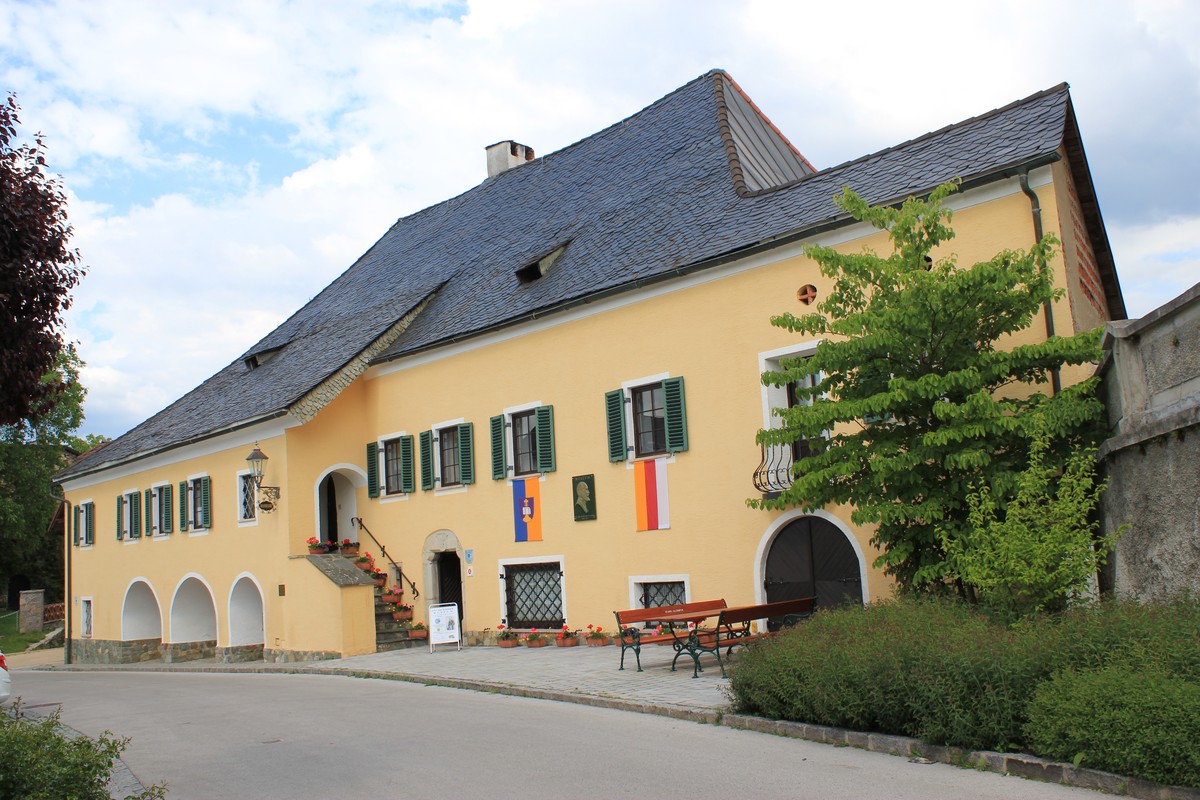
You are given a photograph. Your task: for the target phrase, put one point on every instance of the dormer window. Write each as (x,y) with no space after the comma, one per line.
(532,272)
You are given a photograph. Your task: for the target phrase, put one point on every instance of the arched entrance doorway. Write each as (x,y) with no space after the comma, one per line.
(336,504)
(812,556)
(442,558)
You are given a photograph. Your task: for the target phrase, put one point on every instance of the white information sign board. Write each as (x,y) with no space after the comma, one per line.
(444,625)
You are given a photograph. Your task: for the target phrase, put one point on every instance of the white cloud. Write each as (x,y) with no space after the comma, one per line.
(171,122)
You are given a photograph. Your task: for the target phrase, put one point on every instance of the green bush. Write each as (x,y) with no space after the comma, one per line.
(933,669)
(944,672)
(1137,721)
(38,763)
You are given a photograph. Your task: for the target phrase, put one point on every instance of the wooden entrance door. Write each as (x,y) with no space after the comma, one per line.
(812,557)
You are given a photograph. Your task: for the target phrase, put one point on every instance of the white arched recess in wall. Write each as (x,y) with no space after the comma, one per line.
(346,478)
(193,611)
(247,618)
(141,614)
(764,548)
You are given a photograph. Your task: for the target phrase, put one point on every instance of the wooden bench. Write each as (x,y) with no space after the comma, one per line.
(631,637)
(734,627)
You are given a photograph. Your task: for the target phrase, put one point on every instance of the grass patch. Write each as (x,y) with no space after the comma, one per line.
(10,640)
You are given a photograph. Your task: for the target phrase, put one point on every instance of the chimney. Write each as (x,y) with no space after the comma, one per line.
(503,156)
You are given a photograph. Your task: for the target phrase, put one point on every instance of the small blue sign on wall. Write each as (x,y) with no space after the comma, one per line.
(470,556)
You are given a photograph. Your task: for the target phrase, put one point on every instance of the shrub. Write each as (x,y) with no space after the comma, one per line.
(40,763)
(930,668)
(944,672)
(1137,721)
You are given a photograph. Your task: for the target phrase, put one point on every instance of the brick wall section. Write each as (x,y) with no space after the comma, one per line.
(1089,274)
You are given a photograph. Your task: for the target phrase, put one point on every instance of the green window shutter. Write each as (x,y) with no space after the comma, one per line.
(466,453)
(408,477)
(89,530)
(72,520)
(544,417)
(614,412)
(120,517)
(168,508)
(149,508)
(499,470)
(676,410)
(426,460)
(372,469)
(135,515)
(206,502)
(182,506)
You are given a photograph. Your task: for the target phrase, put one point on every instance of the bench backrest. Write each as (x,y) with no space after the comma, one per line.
(635,615)
(783,608)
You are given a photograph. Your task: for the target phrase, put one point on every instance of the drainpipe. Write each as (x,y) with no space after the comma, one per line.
(68,614)
(1048,312)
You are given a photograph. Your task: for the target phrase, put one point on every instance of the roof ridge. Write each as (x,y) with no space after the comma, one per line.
(1060,87)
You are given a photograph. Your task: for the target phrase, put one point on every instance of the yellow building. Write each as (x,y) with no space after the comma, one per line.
(541,397)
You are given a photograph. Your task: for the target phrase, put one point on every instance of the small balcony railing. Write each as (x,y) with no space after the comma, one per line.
(774,472)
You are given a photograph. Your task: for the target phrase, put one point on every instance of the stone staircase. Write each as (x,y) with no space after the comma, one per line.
(389,634)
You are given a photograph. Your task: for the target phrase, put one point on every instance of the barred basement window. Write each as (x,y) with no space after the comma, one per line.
(665,593)
(533,595)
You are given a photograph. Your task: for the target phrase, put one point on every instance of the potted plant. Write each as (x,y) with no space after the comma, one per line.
(507,637)
(566,637)
(401,612)
(380,578)
(418,631)
(393,595)
(349,548)
(535,639)
(365,562)
(315,546)
(596,637)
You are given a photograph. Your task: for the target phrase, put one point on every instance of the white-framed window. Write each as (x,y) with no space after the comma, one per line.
(646,418)
(247,498)
(195,504)
(533,592)
(448,455)
(522,441)
(85,617)
(390,466)
(159,507)
(83,523)
(653,591)
(778,459)
(129,516)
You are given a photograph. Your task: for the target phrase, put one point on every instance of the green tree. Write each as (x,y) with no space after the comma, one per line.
(1044,550)
(31,452)
(38,269)
(917,401)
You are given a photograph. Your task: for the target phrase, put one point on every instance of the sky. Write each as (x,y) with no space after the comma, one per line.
(224,161)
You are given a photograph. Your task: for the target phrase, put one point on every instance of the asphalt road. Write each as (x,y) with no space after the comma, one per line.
(310,736)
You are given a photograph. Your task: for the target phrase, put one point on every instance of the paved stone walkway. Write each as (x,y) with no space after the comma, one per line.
(579,672)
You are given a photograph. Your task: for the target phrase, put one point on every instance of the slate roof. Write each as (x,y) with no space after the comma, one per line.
(662,191)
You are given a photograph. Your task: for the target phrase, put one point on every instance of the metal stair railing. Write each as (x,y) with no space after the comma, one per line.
(358,523)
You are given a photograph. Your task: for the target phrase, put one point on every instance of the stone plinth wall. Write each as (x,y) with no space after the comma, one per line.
(239,654)
(275,656)
(174,652)
(110,651)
